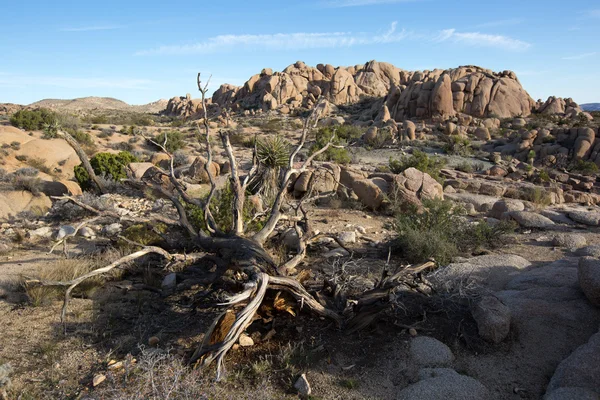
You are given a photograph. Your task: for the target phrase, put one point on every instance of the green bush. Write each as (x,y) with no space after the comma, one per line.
(31,120)
(174,140)
(221,209)
(458,146)
(342,135)
(441,232)
(143,234)
(583,167)
(108,165)
(421,161)
(273,152)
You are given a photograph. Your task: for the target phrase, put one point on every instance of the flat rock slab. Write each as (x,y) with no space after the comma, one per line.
(493,271)
(591,218)
(571,241)
(480,202)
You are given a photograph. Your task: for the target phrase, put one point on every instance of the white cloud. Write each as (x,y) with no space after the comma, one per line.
(90,28)
(594,13)
(307,40)
(502,22)
(281,41)
(75,83)
(356,3)
(580,56)
(482,40)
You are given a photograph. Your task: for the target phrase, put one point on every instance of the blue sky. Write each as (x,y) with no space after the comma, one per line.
(142,51)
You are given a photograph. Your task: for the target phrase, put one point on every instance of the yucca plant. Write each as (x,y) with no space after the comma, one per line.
(272,155)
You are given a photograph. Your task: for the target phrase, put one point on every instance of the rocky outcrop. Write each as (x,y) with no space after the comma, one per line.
(470,90)
(183,106)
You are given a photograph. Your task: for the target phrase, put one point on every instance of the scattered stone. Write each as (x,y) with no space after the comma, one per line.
(43,232)
(86,232)
(115,365)
(339,252)
(412,332)
(169,282)
(245,340)
(588,274)
(98,379)
(65,230)
(303,387)
(427,351)
(493,319)
(571,241)
(112,229)
(347,237)
(447,385)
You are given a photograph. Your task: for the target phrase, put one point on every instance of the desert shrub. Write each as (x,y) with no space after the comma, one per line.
(21,157)
(544,176)
(122,146)
(221,209)
(274,125)
(583,167)
(82,138)
(31,120)
(540,197)
(15,145)
(431,165)
(465,166)
(458,146)
(340,136)
(32,184)
(62,270)
(174,140)
(105,132)
(441,232)
(242,140)
(39,164)
(107,165)
(144,234)
(180,158)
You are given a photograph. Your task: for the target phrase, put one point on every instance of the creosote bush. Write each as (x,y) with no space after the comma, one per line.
(174,140)
(342,135)
(108,165)
(62,270)
(32,120)
(421,161)
(442,232)
(583,167)
(458,146)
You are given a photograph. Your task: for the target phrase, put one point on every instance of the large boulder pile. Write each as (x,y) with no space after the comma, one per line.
(470,90)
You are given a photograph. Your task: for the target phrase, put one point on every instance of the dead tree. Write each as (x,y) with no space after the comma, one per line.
(245,253)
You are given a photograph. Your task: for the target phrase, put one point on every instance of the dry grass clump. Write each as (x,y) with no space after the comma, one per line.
(63,270)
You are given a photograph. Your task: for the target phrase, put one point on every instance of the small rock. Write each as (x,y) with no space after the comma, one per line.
(153,341)
(339,252)
(86,232)
(571,241)
(169,282)
(115,365)
(427,351)
(98,379)
(64,230)
(347,237)
(112,229)
(302,386)
(529,219)
(245,340)
(586,218)
(412,332)
(361,229)
(43,232)
(493,319)
(591,250)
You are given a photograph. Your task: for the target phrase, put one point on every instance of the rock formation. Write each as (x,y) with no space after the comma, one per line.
(419,94)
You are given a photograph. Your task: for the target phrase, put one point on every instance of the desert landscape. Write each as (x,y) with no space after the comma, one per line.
(316,231)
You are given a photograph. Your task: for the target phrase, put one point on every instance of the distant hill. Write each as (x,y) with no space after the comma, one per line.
(590,107)
(99,103)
